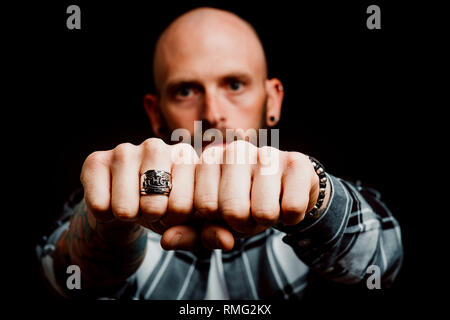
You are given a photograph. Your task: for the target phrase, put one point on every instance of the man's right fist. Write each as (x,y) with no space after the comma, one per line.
(111,181)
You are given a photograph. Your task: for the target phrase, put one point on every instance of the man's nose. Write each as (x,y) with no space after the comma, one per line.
(212,111)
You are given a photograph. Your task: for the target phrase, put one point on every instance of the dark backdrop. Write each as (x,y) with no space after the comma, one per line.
(348,102)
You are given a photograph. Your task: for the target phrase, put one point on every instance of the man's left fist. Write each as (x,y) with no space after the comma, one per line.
(251,189)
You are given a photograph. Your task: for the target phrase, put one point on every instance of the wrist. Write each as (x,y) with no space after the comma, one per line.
(321,193)
(326,200)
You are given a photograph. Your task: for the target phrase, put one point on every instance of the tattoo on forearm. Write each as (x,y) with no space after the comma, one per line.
(106,255)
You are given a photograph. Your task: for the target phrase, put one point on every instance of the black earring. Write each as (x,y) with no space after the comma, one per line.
(272,119)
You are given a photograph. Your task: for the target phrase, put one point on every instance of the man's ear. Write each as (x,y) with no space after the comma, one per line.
(154,114)
(275,95)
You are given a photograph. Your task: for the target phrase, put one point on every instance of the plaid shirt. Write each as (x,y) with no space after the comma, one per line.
(355,231)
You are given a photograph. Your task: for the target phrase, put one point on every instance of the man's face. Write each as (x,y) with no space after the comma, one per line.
(213,72)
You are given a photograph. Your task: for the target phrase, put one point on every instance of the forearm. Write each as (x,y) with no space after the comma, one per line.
(107,254)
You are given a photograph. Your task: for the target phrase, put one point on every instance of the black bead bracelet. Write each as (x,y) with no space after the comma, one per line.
(320,171)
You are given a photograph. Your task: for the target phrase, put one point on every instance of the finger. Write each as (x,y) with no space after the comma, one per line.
(207,180)
(155,156)
(266,188)
(215,236)
(181,198)
(296,187)
(235,186)
(96,180)
(180,237)
(125,182)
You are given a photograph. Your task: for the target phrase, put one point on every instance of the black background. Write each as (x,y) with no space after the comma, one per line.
(351,101)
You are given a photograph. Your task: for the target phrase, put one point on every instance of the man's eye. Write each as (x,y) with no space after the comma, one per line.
(236,85)
(185,92)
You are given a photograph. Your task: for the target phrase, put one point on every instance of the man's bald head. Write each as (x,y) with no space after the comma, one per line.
(207,33)
(210,65)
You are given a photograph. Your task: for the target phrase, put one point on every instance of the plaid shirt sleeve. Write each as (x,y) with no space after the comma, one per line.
(356,231)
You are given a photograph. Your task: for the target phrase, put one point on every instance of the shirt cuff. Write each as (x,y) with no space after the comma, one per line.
(328,227)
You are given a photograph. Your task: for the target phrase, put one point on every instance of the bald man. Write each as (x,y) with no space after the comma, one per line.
(162,220)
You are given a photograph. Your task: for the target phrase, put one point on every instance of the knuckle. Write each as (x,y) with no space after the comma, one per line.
(154,207)
(295,159)
(212,155)
(97,157)
(241,151)
(183,153)
(153,145)
(206,203)
(231,148)
(184,147)
(265,215)
(93,161)
(267,155)
(182,205)
(96,206)
(267,149)
(124,212)
(234,209)
(124,151)
(238,143)
(294,207)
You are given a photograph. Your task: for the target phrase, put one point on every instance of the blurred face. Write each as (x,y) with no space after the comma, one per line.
(211,70)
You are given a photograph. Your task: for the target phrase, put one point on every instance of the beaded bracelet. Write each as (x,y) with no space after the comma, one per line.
(320,171)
